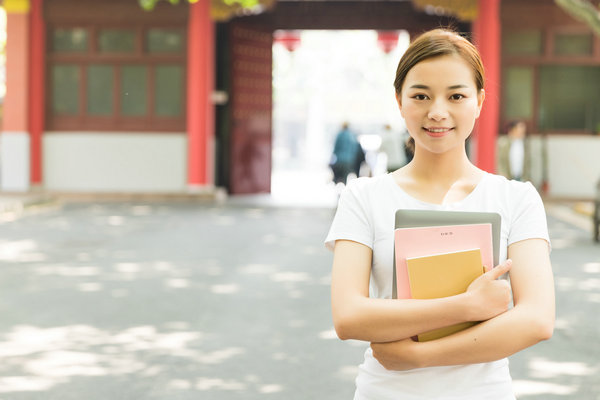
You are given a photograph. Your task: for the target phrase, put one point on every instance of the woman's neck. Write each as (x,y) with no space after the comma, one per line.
(446,168)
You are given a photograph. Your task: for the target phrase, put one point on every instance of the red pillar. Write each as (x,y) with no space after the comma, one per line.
(200,114)
(17,66)
(37,96)
(14,138)
(486,31)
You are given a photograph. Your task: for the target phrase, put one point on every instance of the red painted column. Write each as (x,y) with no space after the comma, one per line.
(200,113)
(17,64)
(14,138)
(486,31)
(37,56)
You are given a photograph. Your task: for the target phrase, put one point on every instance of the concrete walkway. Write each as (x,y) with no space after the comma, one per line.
(180,300)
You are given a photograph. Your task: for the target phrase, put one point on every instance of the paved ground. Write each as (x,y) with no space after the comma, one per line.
(203,301)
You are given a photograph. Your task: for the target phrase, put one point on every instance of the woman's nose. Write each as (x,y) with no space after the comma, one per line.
(437,111)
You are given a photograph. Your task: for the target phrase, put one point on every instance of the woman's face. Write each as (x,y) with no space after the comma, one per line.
(440,103)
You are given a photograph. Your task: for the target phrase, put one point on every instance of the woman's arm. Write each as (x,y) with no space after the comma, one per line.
(530,320)
(356,316)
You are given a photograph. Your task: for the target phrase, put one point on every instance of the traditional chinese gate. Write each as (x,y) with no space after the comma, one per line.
(251,105)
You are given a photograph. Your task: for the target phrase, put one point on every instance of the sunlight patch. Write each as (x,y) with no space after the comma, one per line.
(66,363)
(542,368)
(217,357)
(178,283)
(272,388)
(290,277)
(128,267)
(228,288)
(591,268)
(25,384)
(531,388)
(115,220)
(330,334)
(180,384)
(62,270)
(16,250)
(216,383)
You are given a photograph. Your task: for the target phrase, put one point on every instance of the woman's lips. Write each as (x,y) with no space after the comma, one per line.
(437,132)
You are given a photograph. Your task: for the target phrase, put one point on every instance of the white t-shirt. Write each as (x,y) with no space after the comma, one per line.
(365,214)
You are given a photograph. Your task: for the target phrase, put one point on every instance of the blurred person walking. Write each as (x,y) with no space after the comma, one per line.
(514,159)
(392,146)
(347,155)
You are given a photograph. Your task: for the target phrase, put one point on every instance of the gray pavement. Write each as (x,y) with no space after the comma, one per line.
(187,300)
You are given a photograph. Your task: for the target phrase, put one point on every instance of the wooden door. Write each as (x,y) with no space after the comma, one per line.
(251,105)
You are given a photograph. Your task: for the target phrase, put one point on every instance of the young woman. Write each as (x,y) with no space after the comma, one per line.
(439,89)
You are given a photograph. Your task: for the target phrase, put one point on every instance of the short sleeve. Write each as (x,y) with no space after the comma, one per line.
(528,219)
(351,220)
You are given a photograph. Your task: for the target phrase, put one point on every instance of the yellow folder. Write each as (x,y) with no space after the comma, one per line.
(443,275)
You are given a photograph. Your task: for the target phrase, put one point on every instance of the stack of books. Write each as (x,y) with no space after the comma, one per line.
(439,253)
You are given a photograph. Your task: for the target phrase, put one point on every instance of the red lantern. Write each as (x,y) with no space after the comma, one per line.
(387,40)
(289,39)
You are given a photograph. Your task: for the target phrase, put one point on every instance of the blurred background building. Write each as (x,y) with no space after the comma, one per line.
(105,96)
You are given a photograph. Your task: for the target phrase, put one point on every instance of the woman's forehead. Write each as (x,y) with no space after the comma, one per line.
(447,70)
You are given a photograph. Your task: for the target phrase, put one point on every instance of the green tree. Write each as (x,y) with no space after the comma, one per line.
(220,10)
(149,4)
(582,10)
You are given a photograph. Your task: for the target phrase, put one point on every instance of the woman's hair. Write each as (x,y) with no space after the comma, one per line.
(437,43)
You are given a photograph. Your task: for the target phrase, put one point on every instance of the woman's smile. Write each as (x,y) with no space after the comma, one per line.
(438,132)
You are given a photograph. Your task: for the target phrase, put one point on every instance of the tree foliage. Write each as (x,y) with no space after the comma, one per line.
(220,10)
(150,4)
(582,10)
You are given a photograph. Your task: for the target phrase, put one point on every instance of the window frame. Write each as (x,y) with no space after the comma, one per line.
(548,58)
(116,121)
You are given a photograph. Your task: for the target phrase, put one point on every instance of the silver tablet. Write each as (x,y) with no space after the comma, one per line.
(414,218)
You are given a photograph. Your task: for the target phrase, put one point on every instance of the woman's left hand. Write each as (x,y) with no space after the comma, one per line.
(397,356)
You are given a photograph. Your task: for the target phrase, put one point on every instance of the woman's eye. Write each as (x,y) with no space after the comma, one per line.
(457,97)
(419,97)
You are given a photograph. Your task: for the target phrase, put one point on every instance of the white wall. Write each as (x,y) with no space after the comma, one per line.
(14,161)
(115,162)
(573,165)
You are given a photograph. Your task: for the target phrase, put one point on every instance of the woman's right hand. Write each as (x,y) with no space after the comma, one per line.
(488,295)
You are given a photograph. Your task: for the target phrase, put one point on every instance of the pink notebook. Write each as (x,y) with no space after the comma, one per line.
(428,240)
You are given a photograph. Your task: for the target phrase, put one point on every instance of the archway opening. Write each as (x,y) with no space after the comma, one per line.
(322,79)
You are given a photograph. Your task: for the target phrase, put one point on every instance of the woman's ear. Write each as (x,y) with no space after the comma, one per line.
(480,98)
(399,101)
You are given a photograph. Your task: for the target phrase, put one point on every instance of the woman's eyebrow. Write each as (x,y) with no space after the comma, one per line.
(453,87)
(461,86)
